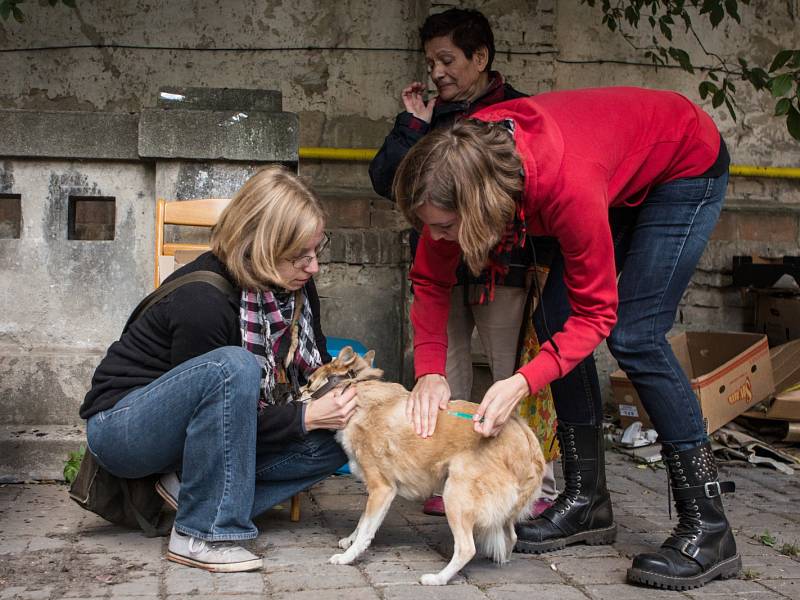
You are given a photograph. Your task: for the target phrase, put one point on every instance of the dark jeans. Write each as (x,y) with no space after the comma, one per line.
(657,246)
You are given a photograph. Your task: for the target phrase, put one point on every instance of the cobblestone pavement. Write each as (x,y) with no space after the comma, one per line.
(50,548)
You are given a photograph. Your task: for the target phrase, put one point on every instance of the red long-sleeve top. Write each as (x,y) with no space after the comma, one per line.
(582,151)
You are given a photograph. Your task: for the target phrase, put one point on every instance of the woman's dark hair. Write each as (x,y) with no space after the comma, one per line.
(468,29)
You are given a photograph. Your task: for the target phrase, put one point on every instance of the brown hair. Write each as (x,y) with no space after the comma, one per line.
(467,28)
(471,168)
(273,216)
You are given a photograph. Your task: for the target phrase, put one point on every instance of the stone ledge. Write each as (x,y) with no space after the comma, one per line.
(36,452)
(198,98)
(228,135)
(69,134)
(767,206)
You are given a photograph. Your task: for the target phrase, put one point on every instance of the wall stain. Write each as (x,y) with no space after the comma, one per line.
(7,177)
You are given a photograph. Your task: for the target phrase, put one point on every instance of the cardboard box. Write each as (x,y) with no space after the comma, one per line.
(785,403)
(729,372)
(778,315)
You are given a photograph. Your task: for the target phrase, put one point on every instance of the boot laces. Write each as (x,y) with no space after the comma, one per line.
(689,517)
(572,478)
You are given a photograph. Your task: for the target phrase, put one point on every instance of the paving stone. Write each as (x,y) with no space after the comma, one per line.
(317,577)
(788,587)
(629,592)
(425,592)
(45,538)
(383,574)
(734,588)
(772,567)
(544,591)
(142,585)
(584,571)
(483,572)
(23,593)
(363,593)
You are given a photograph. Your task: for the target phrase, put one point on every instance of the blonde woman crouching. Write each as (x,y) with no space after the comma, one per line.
(197,385)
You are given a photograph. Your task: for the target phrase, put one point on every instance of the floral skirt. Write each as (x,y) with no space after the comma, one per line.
(538,409)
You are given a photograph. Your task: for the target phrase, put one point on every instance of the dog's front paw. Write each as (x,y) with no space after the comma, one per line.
(345,543)
(432,579)
(340,559)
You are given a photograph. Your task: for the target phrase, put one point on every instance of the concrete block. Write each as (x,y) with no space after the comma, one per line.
(232,135)
(36,452)
(354,250)
(69,134)
(365,304)
(372,247)
(41,387)
(198,98)
(346,210)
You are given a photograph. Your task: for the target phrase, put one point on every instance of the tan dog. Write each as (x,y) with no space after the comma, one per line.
(488,482)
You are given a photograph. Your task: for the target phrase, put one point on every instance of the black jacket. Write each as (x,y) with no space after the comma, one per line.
(194,319)
(408,130)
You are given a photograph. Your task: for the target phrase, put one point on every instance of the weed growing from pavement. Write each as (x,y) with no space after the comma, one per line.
(73,463)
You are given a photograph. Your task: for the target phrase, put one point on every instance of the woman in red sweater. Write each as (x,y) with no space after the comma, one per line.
(619,177)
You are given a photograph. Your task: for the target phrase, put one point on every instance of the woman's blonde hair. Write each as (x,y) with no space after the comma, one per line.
(471,168)
(272,217)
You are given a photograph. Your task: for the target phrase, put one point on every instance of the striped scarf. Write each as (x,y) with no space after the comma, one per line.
(285,319)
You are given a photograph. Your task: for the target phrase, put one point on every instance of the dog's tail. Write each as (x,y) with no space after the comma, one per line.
(495,543)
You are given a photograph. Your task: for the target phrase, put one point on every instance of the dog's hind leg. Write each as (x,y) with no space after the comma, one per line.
(462,523)
(378,503)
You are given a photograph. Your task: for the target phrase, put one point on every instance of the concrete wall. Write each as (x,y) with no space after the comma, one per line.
(339,67)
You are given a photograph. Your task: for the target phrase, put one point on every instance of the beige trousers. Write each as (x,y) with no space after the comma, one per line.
(498,324)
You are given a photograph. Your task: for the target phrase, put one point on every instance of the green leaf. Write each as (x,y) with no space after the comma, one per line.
(732,112)
(780,59)
(70,3)
(782,107)
(706,88)
(682,58)
(733,10)
(718,98)
(73,464)
(5,10)
(18,16)
(781,84)
(767,538)
(713,76)
(52,2)
(793,123)
(716,16)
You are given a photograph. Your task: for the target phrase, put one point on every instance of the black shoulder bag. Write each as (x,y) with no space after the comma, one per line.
(134,503)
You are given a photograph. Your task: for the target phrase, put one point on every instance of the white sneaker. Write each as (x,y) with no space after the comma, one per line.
(218,557)
(168,487)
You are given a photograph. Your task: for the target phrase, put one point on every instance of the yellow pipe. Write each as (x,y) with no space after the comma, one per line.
(358,154)
(773,172)
(366,154)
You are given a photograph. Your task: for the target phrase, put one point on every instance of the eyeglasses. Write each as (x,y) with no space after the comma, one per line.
(301,262)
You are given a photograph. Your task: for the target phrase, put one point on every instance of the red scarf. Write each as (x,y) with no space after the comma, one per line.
(497,268)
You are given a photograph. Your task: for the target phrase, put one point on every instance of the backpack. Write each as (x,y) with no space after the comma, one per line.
(134,503)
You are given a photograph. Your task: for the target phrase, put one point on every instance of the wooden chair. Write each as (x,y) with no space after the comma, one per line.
(193,213)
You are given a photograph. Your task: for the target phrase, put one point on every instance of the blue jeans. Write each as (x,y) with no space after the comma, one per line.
(296,466)
(200,418)
(657,246)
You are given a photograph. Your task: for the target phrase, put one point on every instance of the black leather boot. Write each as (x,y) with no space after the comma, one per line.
(582,512)
(701,547)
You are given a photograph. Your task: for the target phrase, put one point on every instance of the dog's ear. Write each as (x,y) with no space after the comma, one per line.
(346,355)
(369,357)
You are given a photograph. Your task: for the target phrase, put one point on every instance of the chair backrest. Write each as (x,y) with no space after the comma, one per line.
(194,213)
